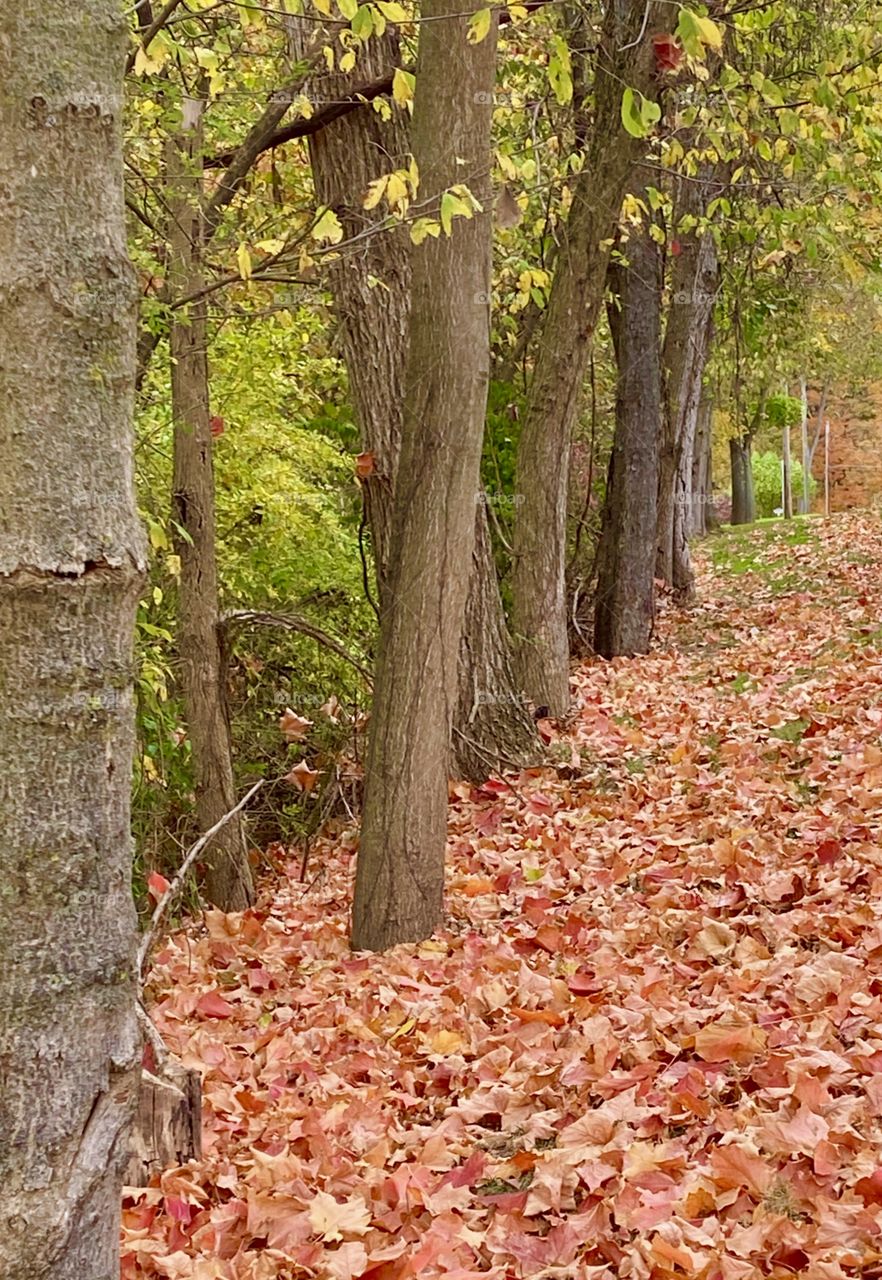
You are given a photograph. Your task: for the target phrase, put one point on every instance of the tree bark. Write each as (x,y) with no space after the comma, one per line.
(227,879)
(743,504)
(625,58)
(703,518)
(400,873)
(71,567)
(694,282)
(786,471)
(371,287)
(624,609)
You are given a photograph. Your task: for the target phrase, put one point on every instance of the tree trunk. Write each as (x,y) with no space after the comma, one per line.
(788,489)
(703,519)
(743,505)
(624,609)
(694,282)
(227,880)
(371,287)
(625,58)
(71,567)
(400,874)
(806,502)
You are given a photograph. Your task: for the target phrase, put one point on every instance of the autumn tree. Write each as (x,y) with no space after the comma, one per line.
(625,92)
(399,881)
(356,160)
(71,565)
(624,609)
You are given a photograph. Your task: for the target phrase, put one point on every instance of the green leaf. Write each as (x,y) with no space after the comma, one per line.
(453,206)
(631,118)
(349,8)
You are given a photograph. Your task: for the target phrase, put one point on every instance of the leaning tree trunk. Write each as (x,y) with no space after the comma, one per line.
(625,58)
(624,609)
(227,879)
(71,567)
(371,286)
(743,504)
(400,874)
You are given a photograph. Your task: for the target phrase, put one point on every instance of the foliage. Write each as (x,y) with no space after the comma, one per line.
(767,482)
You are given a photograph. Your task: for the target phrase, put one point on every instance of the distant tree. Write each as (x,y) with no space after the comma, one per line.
(71,567)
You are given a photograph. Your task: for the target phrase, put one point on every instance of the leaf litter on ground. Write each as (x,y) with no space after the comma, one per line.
(647,1042)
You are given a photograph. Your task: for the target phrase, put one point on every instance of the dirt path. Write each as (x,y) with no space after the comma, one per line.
(648,1045)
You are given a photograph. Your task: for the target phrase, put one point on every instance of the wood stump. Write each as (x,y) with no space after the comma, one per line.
(168,1123)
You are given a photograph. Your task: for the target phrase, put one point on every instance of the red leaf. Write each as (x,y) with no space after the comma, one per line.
(365,465)
(217,425)
(668,53)
(213,1005)
(676,248)
(179,1209)
(828,851)
(156,885)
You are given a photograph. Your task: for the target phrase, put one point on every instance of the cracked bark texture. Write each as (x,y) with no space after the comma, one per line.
(71,566)
(371,287)
(625,598)
(624,58)
(227,880)
(400,873)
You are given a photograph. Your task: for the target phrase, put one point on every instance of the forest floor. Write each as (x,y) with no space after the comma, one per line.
(649,1041)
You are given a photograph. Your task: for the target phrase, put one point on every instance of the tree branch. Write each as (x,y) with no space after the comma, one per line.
(153,30)
(321,119)
(292,622)
(172,891)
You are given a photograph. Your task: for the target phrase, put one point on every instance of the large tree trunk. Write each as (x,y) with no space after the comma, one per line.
(624,609)
(372,296)
(227,880)
(625,58)
(743,504)
(400,875)
(71,567)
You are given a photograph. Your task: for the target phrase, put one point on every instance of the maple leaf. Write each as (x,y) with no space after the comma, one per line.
(331,1218)
(727,1042)
(293,727)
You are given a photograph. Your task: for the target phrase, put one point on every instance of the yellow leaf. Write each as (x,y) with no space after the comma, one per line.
(392,11)
(347,62)
(403,1029)
(710,33)
(332,1220)
(396,189)
(328,228)
(424,227)
(243,259)
(375,192)
(447,1042)
(479,26)
(402,87)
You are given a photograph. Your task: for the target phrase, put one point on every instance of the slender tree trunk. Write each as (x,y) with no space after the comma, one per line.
(400,874)
(624,609)
(71,567)
(372,296)
(203,676)
(625,58)
(694,282)
(788,489)
(743,504)
(702,466)
(804,449)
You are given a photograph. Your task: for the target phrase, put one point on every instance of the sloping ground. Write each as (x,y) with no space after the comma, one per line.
(649,1043)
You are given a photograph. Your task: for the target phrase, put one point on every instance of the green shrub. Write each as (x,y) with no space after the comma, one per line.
(767,483)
